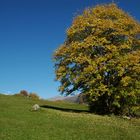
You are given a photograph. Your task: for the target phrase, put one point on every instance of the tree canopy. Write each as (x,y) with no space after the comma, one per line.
(101,59)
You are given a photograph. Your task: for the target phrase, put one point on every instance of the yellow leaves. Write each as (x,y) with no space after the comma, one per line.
(60,72)
(111,48)
(102,17)
(136,68)
(124,46)
(62,50)
(80,59)
(90,40)
(120,71)
(126,80)
(99,77)
(111,9)
(61,69)
(90,69)
(74,46)
(103,88)
(100,59)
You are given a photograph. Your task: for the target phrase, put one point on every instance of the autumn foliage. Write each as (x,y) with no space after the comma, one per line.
(101,59)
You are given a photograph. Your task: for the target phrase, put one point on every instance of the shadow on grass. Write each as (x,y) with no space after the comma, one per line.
(65,109)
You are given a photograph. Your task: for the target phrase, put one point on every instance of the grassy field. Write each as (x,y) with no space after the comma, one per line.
(60,121)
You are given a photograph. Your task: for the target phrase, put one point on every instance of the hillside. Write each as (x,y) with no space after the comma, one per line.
(60,121)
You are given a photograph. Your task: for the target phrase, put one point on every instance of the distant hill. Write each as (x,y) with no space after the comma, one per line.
(74,99)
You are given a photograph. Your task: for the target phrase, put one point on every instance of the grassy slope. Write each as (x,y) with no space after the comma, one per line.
(17,122)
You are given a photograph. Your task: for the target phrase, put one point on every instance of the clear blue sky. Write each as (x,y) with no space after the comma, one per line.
(30,31)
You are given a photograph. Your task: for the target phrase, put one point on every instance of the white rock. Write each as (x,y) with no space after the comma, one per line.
(126,117)
(36,107)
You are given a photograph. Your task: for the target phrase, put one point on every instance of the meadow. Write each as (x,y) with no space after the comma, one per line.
(60,121)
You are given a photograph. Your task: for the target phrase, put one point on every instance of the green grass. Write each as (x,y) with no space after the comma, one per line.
(18,122)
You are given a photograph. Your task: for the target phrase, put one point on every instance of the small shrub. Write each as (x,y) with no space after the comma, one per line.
(34,96)
(24,93)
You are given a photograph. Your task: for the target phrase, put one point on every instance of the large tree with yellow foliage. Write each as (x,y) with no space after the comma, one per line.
(100,58)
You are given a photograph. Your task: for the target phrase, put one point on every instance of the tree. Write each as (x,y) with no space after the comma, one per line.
(101,59)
